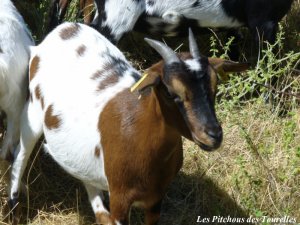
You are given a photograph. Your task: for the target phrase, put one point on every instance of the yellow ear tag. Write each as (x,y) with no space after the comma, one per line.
(136,85)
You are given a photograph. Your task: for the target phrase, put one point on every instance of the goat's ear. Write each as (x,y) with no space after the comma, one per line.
(224,67)
(147,80)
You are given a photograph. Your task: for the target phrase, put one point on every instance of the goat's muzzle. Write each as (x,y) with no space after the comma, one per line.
(211,138)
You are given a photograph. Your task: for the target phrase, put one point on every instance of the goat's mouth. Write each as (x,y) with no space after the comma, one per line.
(215,144)
(206,147)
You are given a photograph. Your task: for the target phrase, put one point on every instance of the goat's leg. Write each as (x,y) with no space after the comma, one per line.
(269,30)
(12,134)
(63,6)
(86,8)
(234,51)
(2,128)
(120,204)
(152,213)
(7,145)
(13,108)
(264,31)
(53,15)
(96,200)
(31,130)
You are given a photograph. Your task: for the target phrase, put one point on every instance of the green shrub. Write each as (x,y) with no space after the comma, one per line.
(272,78)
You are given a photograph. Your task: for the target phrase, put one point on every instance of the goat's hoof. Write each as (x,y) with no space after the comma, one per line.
(6,156)
(14,211)
(2,154)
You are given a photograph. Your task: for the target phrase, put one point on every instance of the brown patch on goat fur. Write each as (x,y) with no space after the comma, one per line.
(98,74)
(51,121)
(37,92)
(108,81)
(111,78)
(42,103)
(34,65)
(185,55)
(213,81)
(107,68)
(97,151)
(38,95)
(81,50)
(180,88)
(69,32)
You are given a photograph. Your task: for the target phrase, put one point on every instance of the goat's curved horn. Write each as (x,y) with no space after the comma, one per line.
(166,52)
(194,50)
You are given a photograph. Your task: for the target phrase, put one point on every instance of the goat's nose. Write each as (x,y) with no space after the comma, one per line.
(215,133)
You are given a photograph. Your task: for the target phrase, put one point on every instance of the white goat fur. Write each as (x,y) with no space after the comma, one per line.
(71,146)
(15,40)
(122,15)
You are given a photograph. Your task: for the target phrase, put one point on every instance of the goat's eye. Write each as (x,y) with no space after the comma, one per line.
(170,95)
(173,96)
(177,99)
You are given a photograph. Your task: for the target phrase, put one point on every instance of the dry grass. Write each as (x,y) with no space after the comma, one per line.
(256,172)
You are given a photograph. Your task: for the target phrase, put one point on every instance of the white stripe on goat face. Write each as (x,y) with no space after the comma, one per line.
(193,64)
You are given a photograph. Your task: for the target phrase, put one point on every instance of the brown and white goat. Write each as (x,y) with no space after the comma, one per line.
(110,138)
(15,40)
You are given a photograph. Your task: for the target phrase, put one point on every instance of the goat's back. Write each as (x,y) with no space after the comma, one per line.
(74,72)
